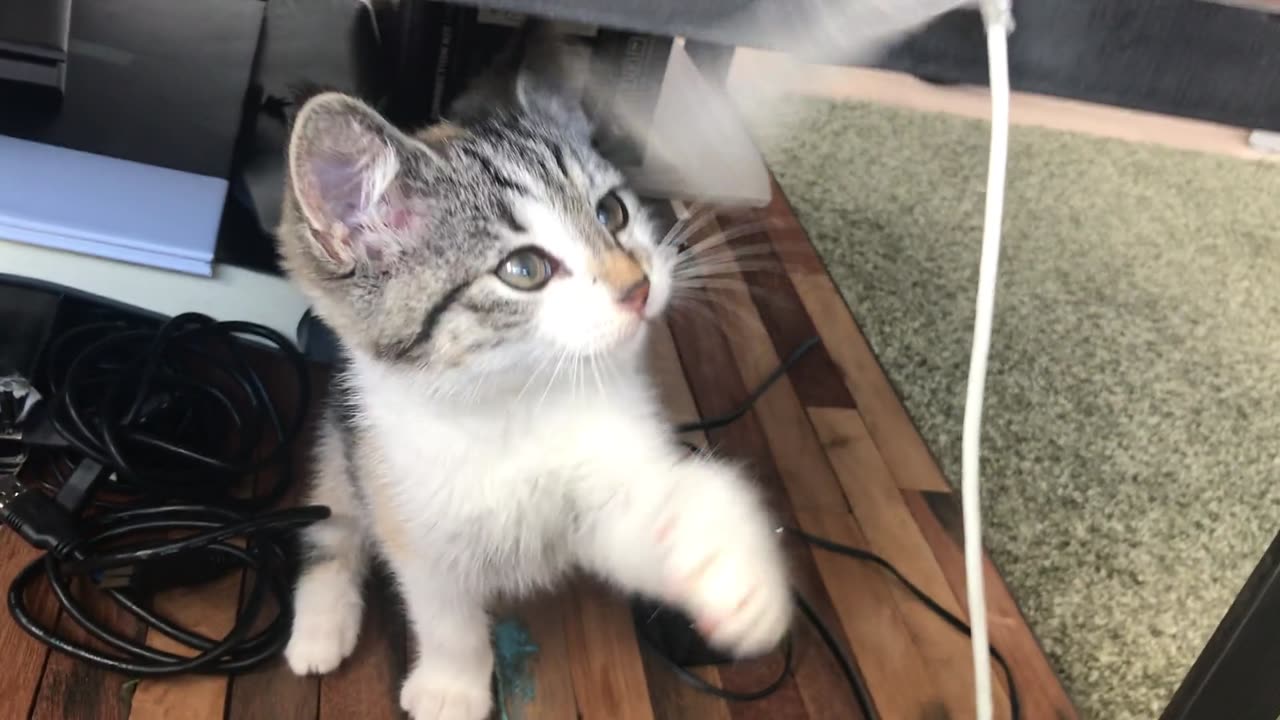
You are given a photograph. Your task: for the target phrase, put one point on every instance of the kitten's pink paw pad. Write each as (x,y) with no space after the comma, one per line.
(732,580)
(429,694)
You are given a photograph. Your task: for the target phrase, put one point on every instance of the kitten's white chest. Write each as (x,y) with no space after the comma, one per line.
(489,495)
(498,491)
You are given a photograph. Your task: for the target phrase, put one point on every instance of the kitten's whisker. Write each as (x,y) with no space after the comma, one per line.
(748,227)
(746,313)
(753,250)
(727,259)
(575,377)
(546,360)
(555,374)
(688,303)
(727,267)
(697,206)
(730,311)
(718,287)
(677,227)
(721,238)
(692,224)
(595,370)
(741,251)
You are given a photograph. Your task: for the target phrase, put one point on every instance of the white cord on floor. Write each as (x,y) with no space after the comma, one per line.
(997,17)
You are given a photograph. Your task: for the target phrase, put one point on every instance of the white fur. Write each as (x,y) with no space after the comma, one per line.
(503,475)
(498,497)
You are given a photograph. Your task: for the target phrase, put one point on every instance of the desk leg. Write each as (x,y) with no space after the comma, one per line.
(1236,674)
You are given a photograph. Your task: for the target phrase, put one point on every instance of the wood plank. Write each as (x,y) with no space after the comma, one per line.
(211,611)
(541,688)
(608,676)
(718,388)
(785,703)
(896,673)
(891,532)
(798,457)
(824,690)
(877,503)
(706,358)
(75,690)
(367,684)
(822,685)
(673,698)
(24,657)
(716,379)
(664,366)
(271,691)
(908,458)
(818,380)
(1040,692)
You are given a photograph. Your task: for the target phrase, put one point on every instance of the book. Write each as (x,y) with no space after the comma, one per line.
(133,165)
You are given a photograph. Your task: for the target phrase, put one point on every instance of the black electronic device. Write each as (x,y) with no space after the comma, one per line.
(34,40)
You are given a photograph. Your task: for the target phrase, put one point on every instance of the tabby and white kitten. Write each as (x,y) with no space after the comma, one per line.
(491,281)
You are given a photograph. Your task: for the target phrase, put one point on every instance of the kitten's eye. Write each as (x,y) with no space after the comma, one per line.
(526,269)
(611,212)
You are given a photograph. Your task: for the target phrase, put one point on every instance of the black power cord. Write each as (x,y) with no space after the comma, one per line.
(160,429)
(701,685)
(129,577)
(856,685)
(177,411)
(921,595)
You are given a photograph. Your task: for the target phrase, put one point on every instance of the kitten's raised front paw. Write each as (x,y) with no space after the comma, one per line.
(326,624)
(725,566)
(435,694)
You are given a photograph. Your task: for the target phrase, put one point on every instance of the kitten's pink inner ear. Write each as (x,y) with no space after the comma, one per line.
(324,188)
(351,200)
(336,184)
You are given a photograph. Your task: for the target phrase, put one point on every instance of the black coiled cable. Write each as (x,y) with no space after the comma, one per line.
(176,424)
(178,410)
(128,577)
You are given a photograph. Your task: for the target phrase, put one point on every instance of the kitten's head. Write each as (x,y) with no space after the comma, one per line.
(498,240)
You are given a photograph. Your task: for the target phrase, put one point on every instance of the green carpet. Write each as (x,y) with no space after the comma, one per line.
(1131,471)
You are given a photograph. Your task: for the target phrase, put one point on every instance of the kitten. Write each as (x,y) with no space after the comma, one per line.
(492,281)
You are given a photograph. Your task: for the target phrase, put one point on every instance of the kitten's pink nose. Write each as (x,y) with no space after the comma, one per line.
(635,297)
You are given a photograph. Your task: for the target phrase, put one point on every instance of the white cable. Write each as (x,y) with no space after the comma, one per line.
(997,18)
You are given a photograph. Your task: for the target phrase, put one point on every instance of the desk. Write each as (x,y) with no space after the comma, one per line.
(838,457)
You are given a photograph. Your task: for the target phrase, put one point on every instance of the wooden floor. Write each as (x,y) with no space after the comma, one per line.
(840,458)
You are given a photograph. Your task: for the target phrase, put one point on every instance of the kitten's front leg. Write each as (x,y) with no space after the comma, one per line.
(327,603)
(697,536)
(450,679)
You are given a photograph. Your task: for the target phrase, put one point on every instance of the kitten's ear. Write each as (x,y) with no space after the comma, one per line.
(346,171)
(535,74)
(549,83)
